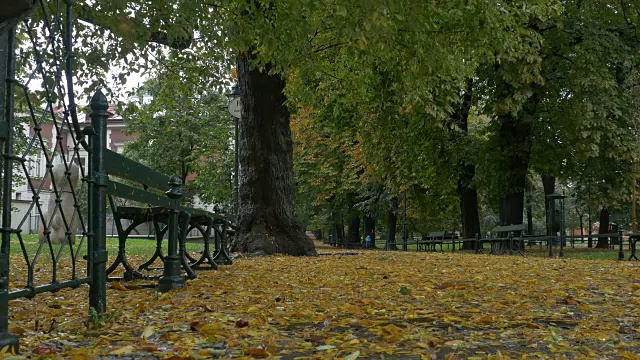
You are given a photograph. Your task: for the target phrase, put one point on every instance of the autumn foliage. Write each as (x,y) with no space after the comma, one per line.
(361,304)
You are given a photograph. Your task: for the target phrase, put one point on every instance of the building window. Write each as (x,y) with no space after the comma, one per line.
(38,165)
(35,165)
(34,222)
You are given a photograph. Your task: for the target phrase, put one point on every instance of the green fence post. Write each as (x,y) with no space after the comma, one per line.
(98,199)
(171,277)
(8,342)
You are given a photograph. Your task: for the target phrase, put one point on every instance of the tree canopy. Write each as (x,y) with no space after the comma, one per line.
(458,104)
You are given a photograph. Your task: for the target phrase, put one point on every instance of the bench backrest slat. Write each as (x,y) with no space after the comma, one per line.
(516,229)
(441,235)
(122,167)
(128,192)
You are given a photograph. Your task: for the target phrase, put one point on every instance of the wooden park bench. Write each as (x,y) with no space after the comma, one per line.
(162,195)
(433,239)
(507,238)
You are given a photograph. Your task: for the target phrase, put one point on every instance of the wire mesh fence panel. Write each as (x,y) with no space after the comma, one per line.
(46,153)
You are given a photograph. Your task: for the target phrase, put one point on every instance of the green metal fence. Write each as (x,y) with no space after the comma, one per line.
(38,118)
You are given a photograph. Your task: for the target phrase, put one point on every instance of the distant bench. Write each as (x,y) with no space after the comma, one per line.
(507,238)
(430,241)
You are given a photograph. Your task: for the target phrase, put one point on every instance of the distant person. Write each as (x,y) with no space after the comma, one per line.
(368,241)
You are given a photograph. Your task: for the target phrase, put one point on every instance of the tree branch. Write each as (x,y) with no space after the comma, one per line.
(130,28)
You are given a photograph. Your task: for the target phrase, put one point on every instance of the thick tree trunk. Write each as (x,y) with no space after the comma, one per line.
(342,240)
(514,144)
(354,240)
(468,206)
(337,234)
(370,228)
(590,233)
(353,223)
(391,225)
(511,208)
(549,186)
(603,242)
(515,147)
(529,216)
(266,223)
(467,194)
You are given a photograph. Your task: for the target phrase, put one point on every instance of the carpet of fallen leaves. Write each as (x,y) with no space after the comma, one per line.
(353,305)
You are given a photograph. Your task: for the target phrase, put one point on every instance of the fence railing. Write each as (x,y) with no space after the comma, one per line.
(46,130)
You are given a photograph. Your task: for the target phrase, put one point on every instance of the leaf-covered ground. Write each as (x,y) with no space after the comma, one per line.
(365,304)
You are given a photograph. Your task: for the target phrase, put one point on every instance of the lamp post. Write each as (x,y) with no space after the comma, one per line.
(235,109)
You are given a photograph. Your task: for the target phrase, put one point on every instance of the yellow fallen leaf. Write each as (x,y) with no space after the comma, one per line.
(352,356)
(454,343)
(489,319)
(148,331)
(392,329)
(570,300)
(116,285)
(625,354)
(450,285)
(123,350)
(148,347)
(80,353)
(212,329)
(17,330)
(257,352)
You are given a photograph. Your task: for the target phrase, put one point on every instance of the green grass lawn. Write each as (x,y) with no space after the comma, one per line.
(29,256)
(134,246)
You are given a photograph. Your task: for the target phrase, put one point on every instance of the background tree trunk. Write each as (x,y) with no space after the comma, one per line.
(529,218)
(468,207)
(515,146)
(603,242)
(467,194)
(391,225)
(353,223)
(267,223)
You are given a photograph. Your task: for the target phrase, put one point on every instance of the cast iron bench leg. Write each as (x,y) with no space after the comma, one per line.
(206,257)
(158,253)
(221,255)
(632,242)
(121,258)
(182,245)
